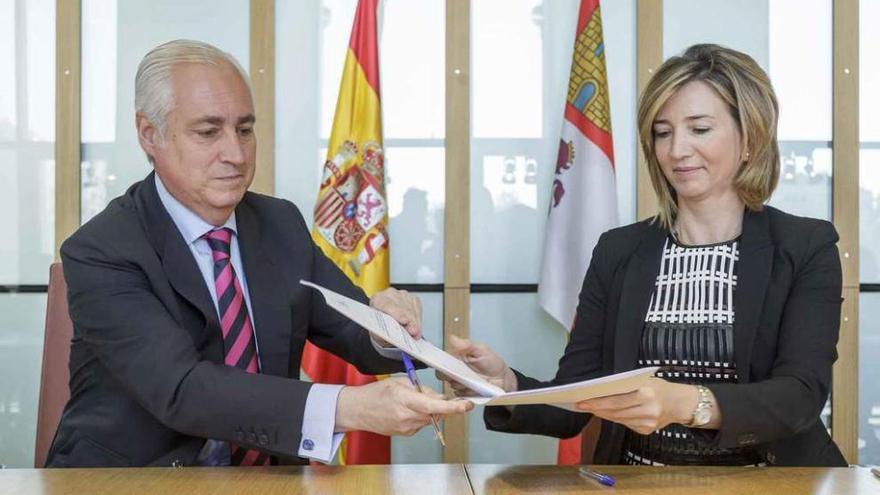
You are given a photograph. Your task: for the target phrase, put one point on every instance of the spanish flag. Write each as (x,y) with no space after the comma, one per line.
(351,213)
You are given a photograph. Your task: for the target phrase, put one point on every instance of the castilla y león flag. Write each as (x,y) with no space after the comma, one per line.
(583,202)
(351,213)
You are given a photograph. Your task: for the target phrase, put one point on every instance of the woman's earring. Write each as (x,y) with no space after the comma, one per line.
(747,157)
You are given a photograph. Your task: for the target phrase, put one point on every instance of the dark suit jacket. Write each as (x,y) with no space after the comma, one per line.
(787,305)
(147,379)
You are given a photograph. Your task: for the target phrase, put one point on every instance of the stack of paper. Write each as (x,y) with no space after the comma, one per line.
(386,328)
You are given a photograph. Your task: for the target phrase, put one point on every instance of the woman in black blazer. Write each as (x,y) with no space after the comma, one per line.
(736,301)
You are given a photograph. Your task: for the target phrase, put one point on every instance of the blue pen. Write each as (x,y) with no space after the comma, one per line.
(414,379)
(601,478)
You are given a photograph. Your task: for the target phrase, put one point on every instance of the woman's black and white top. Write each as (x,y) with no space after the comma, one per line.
(688,332)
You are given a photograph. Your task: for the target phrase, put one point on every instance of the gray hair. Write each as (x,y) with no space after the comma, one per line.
(153,95)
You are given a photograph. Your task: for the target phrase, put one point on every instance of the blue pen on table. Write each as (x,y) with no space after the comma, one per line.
(601,478)
(411,373)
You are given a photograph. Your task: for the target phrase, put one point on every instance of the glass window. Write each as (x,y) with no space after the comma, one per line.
(742,26)
(800,45)
(516,112)
(869,234)
(869,210)
(112,159)
(27,134)
(791,40)
(27,176)
(312,38)
(21,356)
(505,322)
(299,152)
(508,96)
(869,137)
(416,191)
(869,375)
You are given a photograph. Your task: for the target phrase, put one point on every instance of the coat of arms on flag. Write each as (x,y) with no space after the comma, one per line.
(588,95)
(351,202)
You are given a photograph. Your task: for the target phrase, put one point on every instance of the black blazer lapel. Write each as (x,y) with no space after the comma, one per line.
(267,293)
(177,260)
(752,276)
(635,295)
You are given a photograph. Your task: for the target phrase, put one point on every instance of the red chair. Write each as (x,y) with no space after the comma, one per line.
(55,377)
(590,439)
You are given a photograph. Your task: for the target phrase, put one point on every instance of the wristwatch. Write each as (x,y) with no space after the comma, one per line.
(703,411)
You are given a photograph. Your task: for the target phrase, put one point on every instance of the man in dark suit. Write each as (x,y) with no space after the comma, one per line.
(189,319)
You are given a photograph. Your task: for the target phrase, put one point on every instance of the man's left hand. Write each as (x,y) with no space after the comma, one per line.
(403,307)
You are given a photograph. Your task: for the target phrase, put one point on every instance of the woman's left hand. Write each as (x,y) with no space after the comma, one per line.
(647,409)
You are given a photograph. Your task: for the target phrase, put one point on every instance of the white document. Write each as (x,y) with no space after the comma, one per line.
(386,328)
(566,396)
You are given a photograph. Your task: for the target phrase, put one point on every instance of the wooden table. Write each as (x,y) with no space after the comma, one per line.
(422,479)
(500,479)
(428,479)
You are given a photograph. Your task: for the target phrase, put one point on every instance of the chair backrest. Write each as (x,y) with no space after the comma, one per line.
(55,378)
(590,439)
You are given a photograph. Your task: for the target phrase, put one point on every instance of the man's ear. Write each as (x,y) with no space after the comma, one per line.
(148,135)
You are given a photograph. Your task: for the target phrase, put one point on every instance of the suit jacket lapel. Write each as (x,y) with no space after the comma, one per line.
(638,285)
(177,260)
(752,276)
(267,293)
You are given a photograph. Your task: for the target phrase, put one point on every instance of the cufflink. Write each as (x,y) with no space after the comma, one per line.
(308,444)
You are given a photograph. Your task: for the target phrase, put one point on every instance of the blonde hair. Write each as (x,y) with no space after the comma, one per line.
(746,89)
(153,94)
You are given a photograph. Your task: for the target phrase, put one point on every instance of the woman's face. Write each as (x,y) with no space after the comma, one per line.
(697,143)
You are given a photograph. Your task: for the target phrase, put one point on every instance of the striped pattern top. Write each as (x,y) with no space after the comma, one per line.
(688,332)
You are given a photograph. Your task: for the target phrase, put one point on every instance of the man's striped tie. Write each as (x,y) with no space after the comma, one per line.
(239,348)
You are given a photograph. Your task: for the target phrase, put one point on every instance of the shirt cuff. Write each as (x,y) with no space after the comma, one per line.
(386,352)
(319,441)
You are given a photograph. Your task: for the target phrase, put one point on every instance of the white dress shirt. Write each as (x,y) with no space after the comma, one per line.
(319,441)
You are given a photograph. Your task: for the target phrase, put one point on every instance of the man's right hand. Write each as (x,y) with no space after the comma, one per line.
(392,407)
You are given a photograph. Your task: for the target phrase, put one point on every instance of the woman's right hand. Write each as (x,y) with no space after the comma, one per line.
(483,360)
